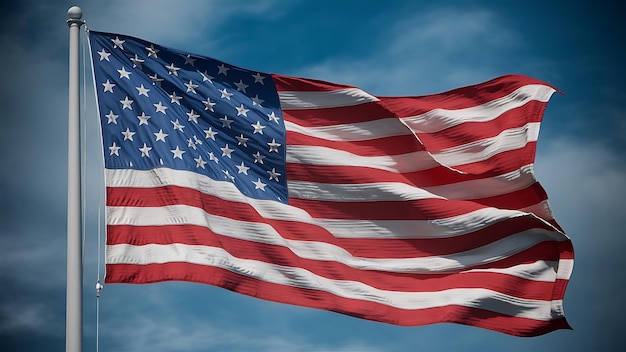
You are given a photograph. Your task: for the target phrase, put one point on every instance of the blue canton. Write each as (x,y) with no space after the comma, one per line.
(161,107)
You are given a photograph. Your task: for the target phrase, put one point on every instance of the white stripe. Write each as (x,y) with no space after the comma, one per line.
(565,269)
(541,209)
(416,229)
(373,229)
(329,99)
(441,228)
(473,189)
(379,191)
(358,131)
(540,270)
(507,140)
(439,119)
(486,187)
(298,277)
(264,233)
(312,155)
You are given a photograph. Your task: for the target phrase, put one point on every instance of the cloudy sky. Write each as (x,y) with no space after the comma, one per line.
(386,48)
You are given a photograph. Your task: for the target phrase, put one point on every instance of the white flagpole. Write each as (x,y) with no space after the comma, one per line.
(74,295)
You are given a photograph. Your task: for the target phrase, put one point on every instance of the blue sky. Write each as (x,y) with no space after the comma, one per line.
(386,48)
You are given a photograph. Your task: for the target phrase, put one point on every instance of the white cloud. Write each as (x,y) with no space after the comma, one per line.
(156,322)
(175,24)
(18,315)
(585,183)
(427,53)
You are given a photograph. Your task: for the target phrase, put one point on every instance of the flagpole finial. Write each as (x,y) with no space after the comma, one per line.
(75,13)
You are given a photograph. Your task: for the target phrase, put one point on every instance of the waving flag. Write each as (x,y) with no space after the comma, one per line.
(404,210)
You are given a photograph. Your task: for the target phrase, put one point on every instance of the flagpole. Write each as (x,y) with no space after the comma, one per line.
(74,293)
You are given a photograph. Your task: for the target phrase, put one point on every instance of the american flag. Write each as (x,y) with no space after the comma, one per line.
(404,210)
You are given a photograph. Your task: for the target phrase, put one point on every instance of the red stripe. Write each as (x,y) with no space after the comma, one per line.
(460,98)
(436,176)
(421,209)
(374,147)
(140,274)
(287,83)
(340,115)
(523,198)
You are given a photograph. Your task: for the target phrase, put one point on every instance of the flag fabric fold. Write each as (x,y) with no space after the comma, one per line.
(403,210)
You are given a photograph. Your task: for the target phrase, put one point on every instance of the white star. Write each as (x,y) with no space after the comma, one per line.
(258,78)
(142,90)
(191,87)
(214,158)
(222,70)
(152,51)
(177,153)
(227,151)
(191,144)
(174,98)
(226,122)
(114,149)
(118,43)
(273,174)
(108,86)
(258,128)
(241,86)
(192,116)
(143,119)
(160,108)
(273,117)
(156,81)
(258,158)
(243,169)
(124,73)
(112,118)
(208,105)
(241,110)
(225,94)
(189,60)
(128,135)
(177,125)
(197,140)
(104,55)
(200,162)
(257,101)
(145,151)
(126,103)
(274,146)
(241,140)
(259,185)
(160,136)
(172,70)
(206,77)
(210,133)
(228,175)
(137,61)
